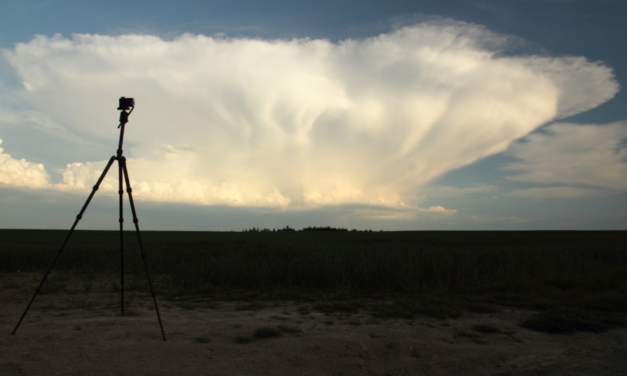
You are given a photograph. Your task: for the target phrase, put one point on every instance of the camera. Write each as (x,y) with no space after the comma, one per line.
(126,103)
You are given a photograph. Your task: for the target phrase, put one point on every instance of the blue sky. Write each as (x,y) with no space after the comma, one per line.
(393,115)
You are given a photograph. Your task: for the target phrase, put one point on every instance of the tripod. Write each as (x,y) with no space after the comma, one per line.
(126,104)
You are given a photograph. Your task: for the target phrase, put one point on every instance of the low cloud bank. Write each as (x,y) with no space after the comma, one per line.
(296,124)
(21,173)
(578,160)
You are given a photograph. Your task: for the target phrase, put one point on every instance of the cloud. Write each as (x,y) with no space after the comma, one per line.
(21,173)
(401,213)
(582,159)
(591,88)
(484,220)
(439,210)
(299,123)
(552,192)
(447,191)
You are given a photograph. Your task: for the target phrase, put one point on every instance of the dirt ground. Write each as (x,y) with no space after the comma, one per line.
(84,334)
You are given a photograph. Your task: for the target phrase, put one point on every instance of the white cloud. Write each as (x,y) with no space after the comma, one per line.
(300,123)
(439,210)
(402,212)
(583,85)
(570,154)
(21,173)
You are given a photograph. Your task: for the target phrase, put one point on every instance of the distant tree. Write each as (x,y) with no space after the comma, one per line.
(327,228)
(310,228)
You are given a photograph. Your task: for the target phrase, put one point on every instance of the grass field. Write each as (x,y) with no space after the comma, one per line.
(577,280)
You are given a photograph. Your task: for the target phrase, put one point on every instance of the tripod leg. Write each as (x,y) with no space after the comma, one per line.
(121,162)
(139,239)
(67,237)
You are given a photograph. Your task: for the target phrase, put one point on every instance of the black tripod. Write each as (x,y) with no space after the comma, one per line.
(126,104)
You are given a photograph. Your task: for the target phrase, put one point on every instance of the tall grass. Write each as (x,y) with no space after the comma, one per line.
(393,261)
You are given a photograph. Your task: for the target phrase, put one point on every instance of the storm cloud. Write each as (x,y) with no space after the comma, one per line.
(294,123)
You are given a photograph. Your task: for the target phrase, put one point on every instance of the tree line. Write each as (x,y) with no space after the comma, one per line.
(310,228)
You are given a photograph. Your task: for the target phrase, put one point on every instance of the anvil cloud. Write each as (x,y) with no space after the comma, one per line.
(296,123)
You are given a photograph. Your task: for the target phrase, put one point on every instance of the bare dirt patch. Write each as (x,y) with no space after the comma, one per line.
(82,333)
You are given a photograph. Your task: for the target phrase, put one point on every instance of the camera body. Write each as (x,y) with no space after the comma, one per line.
(126,103)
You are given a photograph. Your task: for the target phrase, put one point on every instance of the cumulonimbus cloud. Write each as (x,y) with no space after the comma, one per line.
(300,123)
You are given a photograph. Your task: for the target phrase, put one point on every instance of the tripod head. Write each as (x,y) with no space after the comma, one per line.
(125,105)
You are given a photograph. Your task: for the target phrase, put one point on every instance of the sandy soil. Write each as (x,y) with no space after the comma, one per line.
(83,334)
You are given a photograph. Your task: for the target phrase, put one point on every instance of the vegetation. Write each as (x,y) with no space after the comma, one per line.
(288,228)
(575,280)
(327,228)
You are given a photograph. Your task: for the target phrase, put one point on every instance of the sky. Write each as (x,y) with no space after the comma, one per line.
(383,115)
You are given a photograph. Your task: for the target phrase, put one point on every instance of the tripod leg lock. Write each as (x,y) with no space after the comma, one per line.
(135,220)
(80,216)
(120,192)
(121,220)
(95,188)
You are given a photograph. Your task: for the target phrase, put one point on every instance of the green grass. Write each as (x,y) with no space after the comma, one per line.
(394,261)
(575,280)
(398,261)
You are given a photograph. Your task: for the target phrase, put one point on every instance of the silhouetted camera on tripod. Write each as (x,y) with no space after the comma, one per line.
(126,103)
